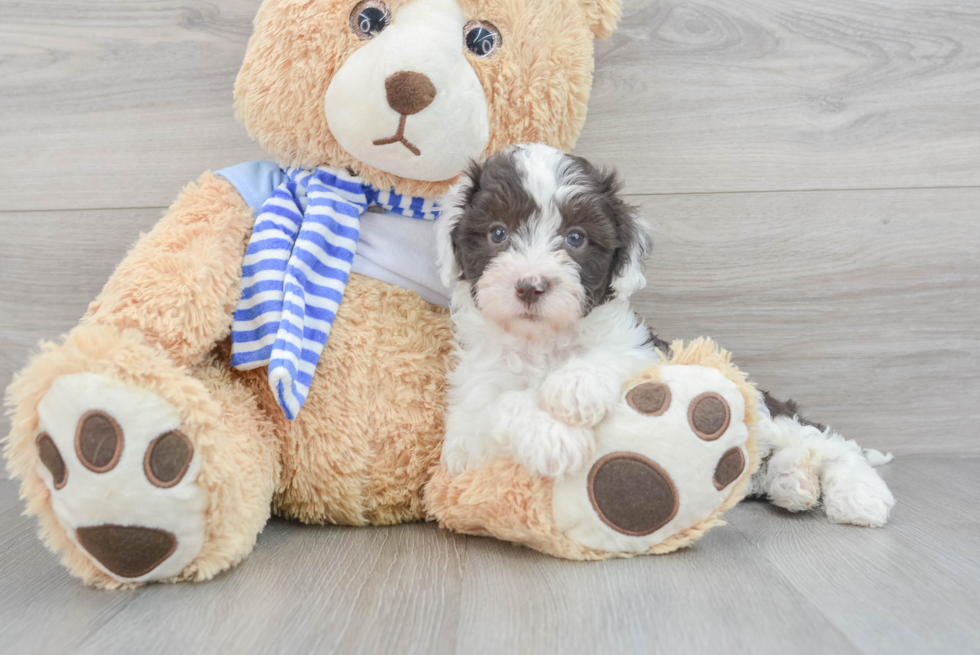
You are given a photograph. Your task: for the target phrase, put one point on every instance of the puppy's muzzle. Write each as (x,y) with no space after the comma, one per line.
(531,290)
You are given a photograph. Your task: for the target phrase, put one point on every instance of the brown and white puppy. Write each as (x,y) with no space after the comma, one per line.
(545,255)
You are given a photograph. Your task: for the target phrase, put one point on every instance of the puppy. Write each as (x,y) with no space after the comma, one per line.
(545,255)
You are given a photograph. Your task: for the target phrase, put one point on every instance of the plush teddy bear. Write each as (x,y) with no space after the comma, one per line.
(278,342)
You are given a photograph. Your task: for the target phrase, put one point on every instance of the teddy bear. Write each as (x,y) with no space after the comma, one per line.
(278,343)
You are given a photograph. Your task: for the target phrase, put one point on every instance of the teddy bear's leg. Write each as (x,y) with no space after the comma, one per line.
(139,470)
(805,459)
(140,454)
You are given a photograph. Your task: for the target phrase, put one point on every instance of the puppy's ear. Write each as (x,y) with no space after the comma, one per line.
(452,207)
(629,277)
(632,235)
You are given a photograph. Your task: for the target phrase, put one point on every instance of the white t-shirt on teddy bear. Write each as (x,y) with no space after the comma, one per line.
(401,251)
(391,248)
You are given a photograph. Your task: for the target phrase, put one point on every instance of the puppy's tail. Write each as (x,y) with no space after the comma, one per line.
(876,457)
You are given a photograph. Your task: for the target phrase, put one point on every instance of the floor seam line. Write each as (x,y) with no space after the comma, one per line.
(628,195)
(815,190)
(80,209)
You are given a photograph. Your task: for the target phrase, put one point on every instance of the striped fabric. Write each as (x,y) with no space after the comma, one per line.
(295,270)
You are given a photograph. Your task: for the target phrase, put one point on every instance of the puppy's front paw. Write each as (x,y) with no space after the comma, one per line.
(453,460)
(547,447)
(859,500)
(579,394)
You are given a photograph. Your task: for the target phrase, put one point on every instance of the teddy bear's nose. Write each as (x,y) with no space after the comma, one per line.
(409,92)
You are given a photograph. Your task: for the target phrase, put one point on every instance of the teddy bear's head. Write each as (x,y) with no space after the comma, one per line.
(406,92)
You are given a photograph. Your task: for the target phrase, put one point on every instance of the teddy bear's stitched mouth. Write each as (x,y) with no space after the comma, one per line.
(399,137)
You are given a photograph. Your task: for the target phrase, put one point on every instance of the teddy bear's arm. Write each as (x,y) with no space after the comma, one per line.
(180,283)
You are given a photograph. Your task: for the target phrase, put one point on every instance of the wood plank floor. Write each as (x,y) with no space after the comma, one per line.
(811,172)
(769,582)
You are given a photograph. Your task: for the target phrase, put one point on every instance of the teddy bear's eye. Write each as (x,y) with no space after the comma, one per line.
(369,18)
(482,38)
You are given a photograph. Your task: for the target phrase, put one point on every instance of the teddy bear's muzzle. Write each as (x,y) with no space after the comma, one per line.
(408,93)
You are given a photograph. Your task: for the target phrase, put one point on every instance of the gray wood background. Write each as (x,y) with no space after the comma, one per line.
(812,174)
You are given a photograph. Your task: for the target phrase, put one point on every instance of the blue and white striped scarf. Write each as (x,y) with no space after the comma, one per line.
(295,270)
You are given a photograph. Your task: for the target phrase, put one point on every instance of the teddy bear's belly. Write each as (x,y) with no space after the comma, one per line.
(360,450)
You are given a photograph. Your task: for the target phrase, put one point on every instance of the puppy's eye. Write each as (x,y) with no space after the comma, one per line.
(498,234)
(369,18)
(481,37)
(575,239)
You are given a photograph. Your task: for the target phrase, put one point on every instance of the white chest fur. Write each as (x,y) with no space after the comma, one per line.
(500,378)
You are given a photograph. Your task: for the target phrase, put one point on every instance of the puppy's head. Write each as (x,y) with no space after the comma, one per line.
(541,238)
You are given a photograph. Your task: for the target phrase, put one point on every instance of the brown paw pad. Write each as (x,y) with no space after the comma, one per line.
(730,466)
(52,460)
(167,459)
(632,494)
(98,441)
(127,551)
(709,415)
(650,398)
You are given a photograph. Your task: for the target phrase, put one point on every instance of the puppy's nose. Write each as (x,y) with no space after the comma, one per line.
(409,92)
(530,290)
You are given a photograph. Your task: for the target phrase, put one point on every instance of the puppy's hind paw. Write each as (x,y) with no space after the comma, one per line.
(864,501)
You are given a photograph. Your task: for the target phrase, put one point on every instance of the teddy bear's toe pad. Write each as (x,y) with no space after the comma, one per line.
(667,457)
(122,477)
(126,550)
(729,468)
(631,494)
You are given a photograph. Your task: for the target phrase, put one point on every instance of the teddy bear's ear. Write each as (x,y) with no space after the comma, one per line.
(602,16)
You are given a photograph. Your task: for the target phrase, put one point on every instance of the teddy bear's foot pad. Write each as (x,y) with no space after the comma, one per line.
(122,477)
(667,458)
(632,494)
